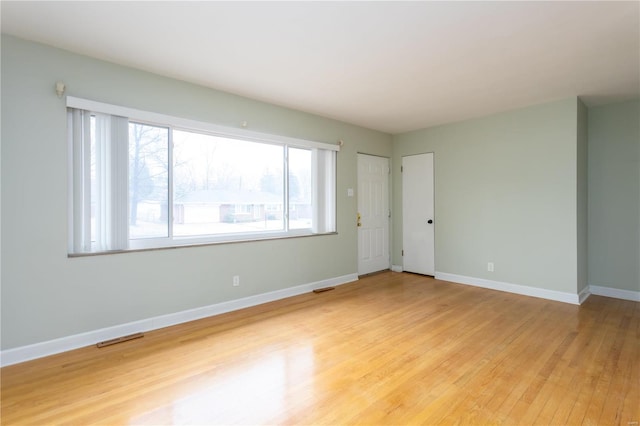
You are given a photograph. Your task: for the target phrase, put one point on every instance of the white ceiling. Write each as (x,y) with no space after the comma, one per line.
(390,66)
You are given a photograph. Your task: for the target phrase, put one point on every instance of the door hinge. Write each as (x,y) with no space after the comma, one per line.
(403,252)
(401,169)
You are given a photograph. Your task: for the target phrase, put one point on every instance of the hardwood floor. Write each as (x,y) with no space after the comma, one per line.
(392,348)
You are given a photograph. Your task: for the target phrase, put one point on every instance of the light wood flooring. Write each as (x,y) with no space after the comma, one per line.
(392,348)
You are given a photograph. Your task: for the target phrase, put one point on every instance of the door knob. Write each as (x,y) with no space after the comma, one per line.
(430,221)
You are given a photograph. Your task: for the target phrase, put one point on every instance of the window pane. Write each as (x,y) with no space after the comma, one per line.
(300,189)
(224,186)
(148,181)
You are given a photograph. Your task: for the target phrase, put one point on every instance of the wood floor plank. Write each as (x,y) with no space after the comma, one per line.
(580,358)
(392,348)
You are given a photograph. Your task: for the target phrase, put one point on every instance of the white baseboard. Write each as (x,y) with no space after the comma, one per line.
(63,344)
(396,268)
(583,295)
(615,293)
(558,296)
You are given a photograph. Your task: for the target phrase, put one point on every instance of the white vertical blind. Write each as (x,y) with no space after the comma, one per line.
(119,182)
(80,140)
(100,194)
(111,182)
(109,194)
(324,192)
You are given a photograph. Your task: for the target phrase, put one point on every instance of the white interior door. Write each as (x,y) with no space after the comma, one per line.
(373,214)
(418,221)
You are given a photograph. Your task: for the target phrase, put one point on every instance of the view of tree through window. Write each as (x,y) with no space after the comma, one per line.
(148,181)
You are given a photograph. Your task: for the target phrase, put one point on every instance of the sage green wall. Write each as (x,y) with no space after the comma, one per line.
(46,295)
(582,196)
(505,192)
(614,196)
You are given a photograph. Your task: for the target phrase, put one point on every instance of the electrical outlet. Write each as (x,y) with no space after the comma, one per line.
(490,266)
(236,280)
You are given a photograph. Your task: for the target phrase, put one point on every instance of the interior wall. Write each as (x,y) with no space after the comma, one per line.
(582,195)
(46,295)
(614,196)
(505,192)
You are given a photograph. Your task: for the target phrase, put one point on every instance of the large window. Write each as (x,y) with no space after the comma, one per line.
(142,180)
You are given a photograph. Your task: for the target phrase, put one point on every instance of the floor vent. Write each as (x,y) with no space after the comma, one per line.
(119,340)
(321,290)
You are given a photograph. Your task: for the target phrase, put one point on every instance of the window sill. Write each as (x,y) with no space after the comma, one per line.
(197,244)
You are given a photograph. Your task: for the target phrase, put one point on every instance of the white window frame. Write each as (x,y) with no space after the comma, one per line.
(321,227)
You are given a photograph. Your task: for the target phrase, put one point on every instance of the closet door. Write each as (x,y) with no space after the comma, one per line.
(418,221)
